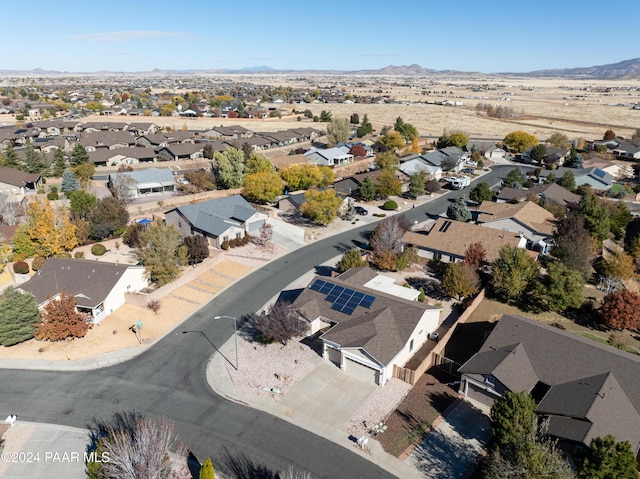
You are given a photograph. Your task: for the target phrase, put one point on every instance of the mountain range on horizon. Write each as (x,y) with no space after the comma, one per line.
(626,69)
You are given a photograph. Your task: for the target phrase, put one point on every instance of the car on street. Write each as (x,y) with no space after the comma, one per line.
(361,211)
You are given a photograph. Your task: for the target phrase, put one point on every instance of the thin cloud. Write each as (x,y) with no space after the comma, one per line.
(108,37)
(377,55)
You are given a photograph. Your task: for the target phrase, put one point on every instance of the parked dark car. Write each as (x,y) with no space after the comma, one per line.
(361,211)
(468,170)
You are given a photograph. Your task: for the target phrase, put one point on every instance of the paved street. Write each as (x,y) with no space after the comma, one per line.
(170,379)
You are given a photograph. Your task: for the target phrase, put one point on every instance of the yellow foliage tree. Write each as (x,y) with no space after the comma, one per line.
(320,206)
(262,187)
(50,232)
(414,147)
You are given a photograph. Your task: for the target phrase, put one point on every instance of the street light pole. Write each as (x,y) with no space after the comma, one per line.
(235,334)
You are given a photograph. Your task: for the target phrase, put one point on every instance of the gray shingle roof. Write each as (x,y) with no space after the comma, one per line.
(215,216)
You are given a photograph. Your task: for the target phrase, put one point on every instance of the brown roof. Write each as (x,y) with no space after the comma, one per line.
(14,177)
(594,388)
(527,213)
(452,238)
(89,281)
(552,191)
(382,330)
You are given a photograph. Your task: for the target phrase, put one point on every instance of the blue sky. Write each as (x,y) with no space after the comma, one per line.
(468,35)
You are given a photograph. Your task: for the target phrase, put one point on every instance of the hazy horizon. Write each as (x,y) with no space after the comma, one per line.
(79,37)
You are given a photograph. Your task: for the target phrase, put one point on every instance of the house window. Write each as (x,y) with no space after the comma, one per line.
(179,224)
(490,380)
(225,238)
(411,345)
(437,256)
(238,235)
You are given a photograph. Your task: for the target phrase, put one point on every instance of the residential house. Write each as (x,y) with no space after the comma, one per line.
(366,329)
(593,177)
(583,389)
(416,165)
(51,144)
(232,132)
(98,287)
(15,182)
(448,240)
(181,151)
(140,129)
(552,192)
(218,220)
(146,182)
(527,219)
(328,157)
(488,150)
(107,139)
(617,169)
(626,151)
(94,127)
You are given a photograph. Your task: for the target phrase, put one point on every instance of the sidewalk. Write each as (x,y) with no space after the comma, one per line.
(220,382)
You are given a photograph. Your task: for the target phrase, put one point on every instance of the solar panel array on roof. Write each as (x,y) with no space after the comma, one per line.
(599,173)
(345,300)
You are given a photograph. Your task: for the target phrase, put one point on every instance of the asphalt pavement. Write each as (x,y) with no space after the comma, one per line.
(170,379)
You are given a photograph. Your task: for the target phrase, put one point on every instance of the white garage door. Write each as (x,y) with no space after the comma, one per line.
(334,356)
(360,371)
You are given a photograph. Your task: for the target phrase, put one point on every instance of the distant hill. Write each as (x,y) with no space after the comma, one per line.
(624,69)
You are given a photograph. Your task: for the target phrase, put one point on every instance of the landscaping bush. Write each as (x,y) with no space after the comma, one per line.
(21,267)
(37,263)
(379,215)
(62,255)
(246,238)
(53,189)
(78,254)
(225,245)
(98,249)
(389,205)
(52,196)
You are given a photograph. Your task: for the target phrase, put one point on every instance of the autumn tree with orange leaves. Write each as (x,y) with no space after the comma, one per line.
(60,320)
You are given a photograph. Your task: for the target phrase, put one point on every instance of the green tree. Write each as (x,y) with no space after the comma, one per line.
(320,206)
(567,181)
(206,471)
(407,130)
(458,210)
(560,289)
(514,179)
(513,272)
(482,192)
(160,253)
(596,219)
(386,161)
(513,418)
(325,116)
(572,243)
(416,185)
(18,313)
(79,155)
(354,119)
(352,258)
(262,187)
(34,162)
(460,280)
(59,162)
(69,181)
(388,185)
(197,248)
(519,141)
(11,158)
(619,217)
(367,189)
(106,217)
(608,459)
(538,152)
(229,168)
(365,127)
(550,179)
(81,203)
(338,130)
(257,163)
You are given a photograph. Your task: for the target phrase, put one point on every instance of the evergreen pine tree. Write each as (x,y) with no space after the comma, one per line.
(18,313)
(69,182)
(79,155)
(58,163)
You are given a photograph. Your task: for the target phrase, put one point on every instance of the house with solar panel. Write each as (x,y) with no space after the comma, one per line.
(366,322)
(594,177)
(218,220)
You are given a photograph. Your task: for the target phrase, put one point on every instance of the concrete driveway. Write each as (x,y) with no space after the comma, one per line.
(450,450)
(328,394)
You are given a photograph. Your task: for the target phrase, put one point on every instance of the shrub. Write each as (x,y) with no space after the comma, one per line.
(224,245)
(389,205)
(53,189)
(37,263)
(98,249)
(78,254)
(20,267)
(379,215)
(245,239)
(154,305)
(52,196)
(62,255)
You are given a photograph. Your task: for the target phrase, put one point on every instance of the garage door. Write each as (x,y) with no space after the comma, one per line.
(481,395)
(360,371)
(334,356)
(253,227)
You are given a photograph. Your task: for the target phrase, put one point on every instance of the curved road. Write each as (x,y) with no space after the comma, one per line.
(169,379)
